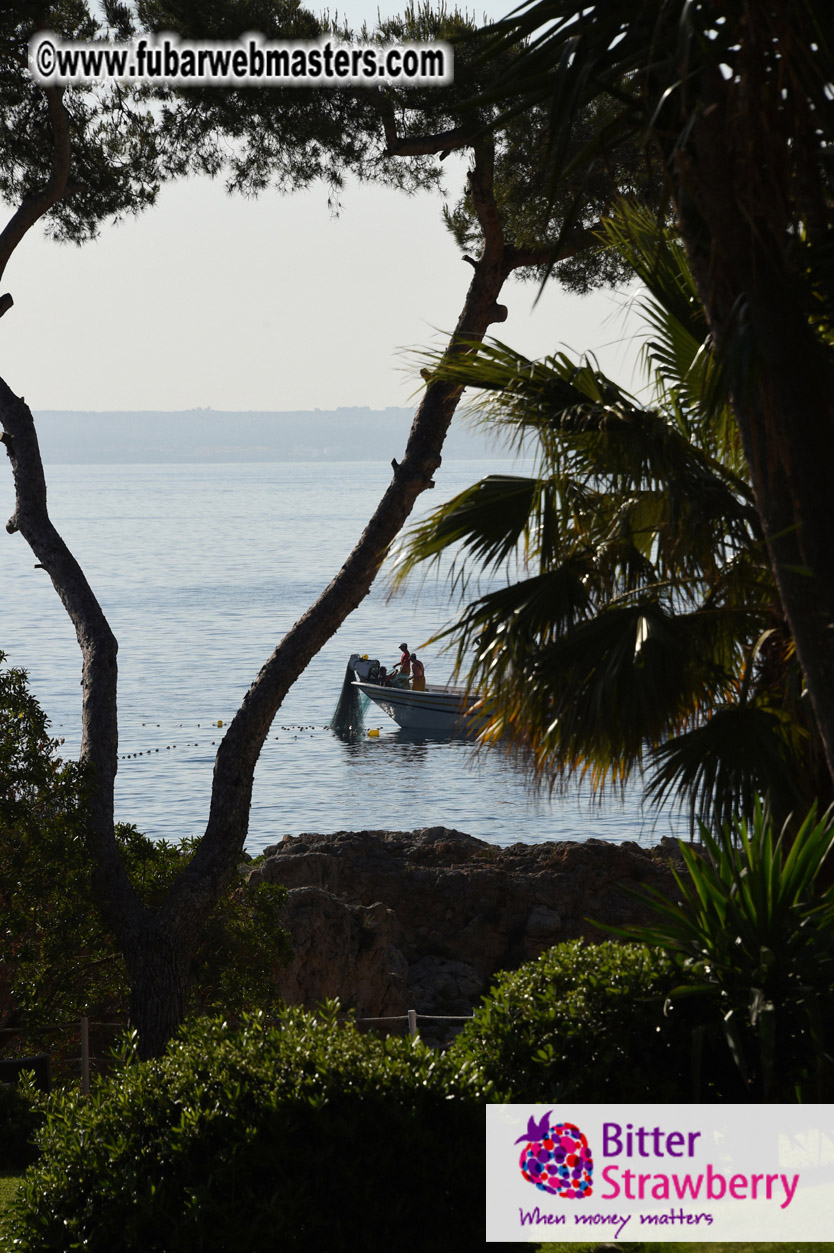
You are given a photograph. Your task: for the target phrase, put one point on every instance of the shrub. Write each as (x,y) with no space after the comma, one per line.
(44,894)
(308,1136)
(588,1022)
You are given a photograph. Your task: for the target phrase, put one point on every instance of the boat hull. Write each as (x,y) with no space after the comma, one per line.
(438,709)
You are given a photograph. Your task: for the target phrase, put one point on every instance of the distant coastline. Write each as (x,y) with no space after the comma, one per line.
(209,435)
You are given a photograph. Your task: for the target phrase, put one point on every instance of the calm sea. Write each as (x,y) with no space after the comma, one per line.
(201,569)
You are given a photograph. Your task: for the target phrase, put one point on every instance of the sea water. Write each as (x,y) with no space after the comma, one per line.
(201,569)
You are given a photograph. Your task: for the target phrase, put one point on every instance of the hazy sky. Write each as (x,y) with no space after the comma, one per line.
(208,300)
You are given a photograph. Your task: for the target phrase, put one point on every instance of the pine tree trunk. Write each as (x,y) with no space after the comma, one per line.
(159,965)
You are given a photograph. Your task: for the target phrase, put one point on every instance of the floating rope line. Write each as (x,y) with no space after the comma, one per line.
(293,728)
(179,742)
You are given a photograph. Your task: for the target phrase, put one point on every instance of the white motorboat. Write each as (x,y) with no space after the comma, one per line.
(441,710)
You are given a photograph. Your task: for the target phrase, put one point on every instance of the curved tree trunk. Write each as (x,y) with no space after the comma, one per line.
(195,892)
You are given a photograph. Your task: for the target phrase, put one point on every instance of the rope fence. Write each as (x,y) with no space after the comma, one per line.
(412,1016)
(40,1063)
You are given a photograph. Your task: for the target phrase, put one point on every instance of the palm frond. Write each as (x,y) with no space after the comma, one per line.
(680,348)
(635,625)
(719,769)
(500,518)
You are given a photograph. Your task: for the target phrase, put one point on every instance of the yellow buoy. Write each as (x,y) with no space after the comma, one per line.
(220,722)
(374,731)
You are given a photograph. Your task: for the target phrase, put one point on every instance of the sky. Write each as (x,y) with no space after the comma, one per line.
(212,301)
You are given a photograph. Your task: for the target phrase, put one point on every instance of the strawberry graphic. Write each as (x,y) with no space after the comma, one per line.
(556,1158)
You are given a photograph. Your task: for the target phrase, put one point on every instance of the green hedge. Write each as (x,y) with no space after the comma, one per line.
(308,1136)
(590,1022)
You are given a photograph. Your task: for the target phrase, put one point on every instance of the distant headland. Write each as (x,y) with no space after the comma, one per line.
(209,435)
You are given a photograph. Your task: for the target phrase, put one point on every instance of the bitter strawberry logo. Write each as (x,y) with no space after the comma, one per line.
(556,1158)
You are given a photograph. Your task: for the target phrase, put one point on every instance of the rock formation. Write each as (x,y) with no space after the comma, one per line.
(396,920)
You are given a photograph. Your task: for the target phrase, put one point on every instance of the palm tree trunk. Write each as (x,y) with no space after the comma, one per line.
(783,384)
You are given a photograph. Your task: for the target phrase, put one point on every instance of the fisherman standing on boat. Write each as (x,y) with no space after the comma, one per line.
(402,671)
(418,674)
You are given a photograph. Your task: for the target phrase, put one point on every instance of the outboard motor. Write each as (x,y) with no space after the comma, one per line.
(364,668)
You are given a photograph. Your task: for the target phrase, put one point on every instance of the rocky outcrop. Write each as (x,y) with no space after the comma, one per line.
(345,951)
(392,920)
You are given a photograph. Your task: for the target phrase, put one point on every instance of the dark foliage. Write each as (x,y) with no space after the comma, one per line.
(57,960)
(310,1136)
(592,1022)
(20,1119)
(115,154)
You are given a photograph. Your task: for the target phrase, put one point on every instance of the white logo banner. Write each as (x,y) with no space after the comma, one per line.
(659,1172)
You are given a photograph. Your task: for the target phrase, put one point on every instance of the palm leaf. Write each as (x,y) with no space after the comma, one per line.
(630,627)
(720,768)
(488,521)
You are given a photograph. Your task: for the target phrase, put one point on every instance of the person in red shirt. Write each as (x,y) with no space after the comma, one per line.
(401,672)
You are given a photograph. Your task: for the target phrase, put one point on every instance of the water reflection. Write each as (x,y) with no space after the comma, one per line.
(395,750)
